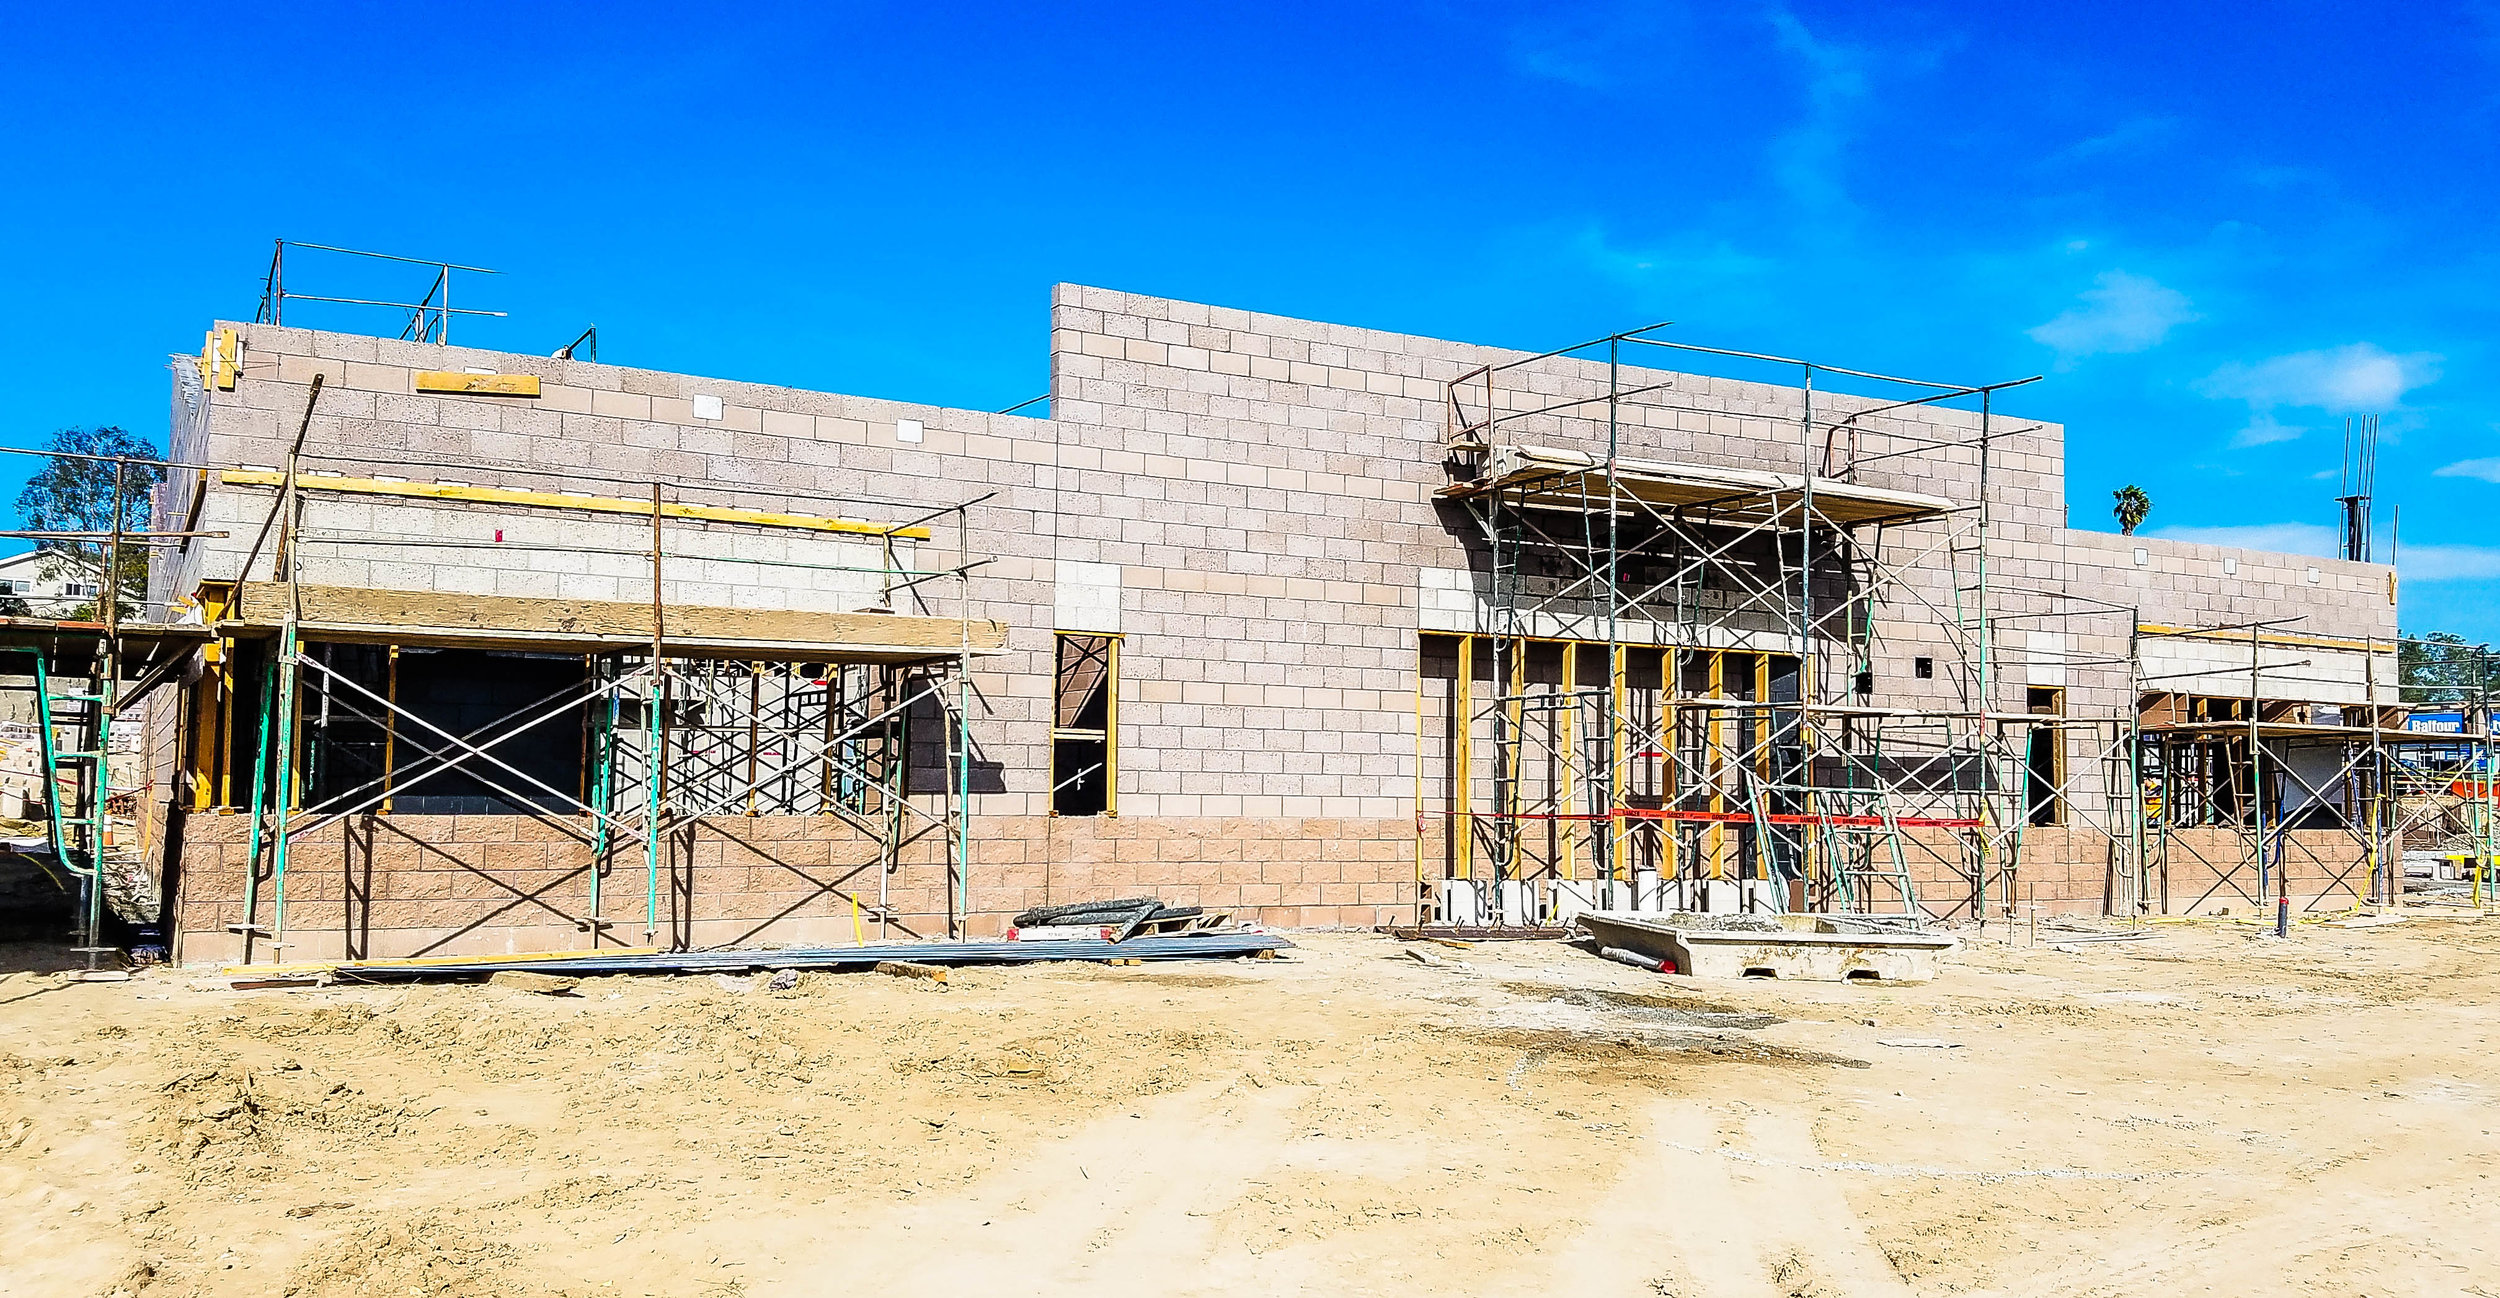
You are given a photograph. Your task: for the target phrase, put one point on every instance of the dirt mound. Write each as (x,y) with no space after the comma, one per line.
(313,1021)
(1639,1054)
(214,1119)
(1105,1065)
(415,1256)
(1608,996)
(1660,1011)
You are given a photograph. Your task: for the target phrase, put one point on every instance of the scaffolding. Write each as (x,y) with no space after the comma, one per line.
(83,674)
(429,317)
(623,726)
(676,730)
(2246,789)
(1661,684)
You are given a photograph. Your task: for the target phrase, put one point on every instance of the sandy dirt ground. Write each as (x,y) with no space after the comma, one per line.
(2201,1112)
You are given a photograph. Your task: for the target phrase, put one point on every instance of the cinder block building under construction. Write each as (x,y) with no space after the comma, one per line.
(1312,623)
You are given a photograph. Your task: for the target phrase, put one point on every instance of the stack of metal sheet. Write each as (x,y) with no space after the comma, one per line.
(1199,946)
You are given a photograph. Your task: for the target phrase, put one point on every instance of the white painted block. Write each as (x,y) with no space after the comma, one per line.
(907,430)
(2044,658)
(1087,597)
(1571,897)
(1518,902)
(706,406)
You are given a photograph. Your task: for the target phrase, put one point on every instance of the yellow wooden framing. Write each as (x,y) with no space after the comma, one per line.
(298,742)
(1110,718)
(755,732)
(1419,770)
(2057,755)
(1111,735)
(1809,836)
(448,491)
(1462,731)
(2271,639)
(1618,830)
(390,728)
(1518,717)
(221,360)
(1567,752)
(431,961)
(1714,763)
(208,732)
(1670,789)
(1761,749)
(1762,715)
(212,710)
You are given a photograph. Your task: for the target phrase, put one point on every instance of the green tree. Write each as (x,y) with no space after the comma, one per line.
(2441,667)
(2131,508)
(73,492)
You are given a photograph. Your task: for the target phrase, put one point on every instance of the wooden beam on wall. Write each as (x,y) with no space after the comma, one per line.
(460,494)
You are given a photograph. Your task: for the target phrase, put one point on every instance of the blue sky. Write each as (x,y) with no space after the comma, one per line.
(2218,230)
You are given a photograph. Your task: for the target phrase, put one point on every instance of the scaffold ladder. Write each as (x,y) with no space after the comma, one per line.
(78,829)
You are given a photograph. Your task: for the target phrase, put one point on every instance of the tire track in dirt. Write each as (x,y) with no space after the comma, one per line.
(1685,1221)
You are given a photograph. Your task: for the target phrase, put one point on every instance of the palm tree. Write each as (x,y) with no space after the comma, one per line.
(2131,508)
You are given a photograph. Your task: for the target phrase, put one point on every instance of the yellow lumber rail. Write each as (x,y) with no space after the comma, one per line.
(458,493)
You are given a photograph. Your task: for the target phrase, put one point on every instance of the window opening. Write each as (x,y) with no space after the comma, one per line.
(1084,761)
(2046,759)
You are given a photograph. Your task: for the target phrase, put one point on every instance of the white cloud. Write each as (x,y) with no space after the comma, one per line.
(2361,378)
(2129,137)
(2486,469)
(2425,563)
(2282,538)
(2448,562)
(2265,430)
(1687,263)
(2125,313)
(1811,159)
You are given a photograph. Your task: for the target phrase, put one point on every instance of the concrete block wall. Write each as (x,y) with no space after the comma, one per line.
(370,422)
(384,887)
(1189,378)
(1249,497)
(2182,583)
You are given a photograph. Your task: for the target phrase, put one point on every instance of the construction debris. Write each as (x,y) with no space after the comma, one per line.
(1112,921)
(1473,933)
(909,969)
(1083,912)
(1653,964)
